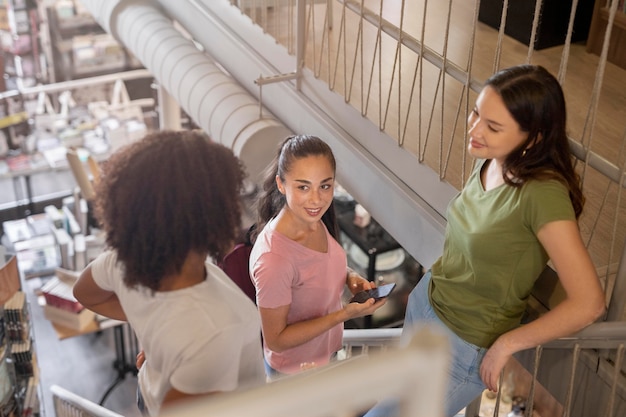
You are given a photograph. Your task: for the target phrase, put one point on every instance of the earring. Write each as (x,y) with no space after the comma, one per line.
(524,153)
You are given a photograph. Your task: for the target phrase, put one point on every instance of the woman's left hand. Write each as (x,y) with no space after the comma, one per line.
(492,365)
(357,283)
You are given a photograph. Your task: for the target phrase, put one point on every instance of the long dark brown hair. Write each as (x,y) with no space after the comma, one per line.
(271,201)
(535,100)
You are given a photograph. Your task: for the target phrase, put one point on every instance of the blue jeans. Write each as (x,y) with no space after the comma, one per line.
(273,374)
(141,405)
(464,382)
(270,372)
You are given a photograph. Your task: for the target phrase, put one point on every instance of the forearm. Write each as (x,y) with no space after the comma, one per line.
(110,308)
(90,295)
(301,332)
(566,318)
(174,397)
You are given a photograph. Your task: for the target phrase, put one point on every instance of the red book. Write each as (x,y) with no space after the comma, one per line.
(59,293)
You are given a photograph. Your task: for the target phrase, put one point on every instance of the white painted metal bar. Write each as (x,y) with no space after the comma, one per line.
(415,375)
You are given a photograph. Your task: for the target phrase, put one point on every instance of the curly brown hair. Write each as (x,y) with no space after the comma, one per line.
(166,195)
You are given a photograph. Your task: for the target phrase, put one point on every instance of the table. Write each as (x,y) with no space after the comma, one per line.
(372,239)
(126,347)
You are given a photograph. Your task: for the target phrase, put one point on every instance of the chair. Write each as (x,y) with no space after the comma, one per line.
(85,183)
(69,404)
(235,265)
(86,178)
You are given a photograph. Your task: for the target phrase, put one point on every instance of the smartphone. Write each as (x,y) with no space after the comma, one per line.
(375,293)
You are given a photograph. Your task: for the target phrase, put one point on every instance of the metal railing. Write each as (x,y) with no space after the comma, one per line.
(588,361)
(414,69)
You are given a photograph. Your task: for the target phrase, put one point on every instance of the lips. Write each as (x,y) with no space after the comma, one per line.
(476,145)
(313,212)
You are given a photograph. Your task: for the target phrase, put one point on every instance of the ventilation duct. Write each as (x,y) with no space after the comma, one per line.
(213,99)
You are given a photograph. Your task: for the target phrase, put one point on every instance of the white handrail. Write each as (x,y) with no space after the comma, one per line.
(69,404)
(415,375)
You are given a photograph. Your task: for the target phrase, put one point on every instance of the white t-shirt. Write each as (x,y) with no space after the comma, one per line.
(201,339)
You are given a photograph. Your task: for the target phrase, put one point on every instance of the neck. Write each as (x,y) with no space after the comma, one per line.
(492,175)
(192,273)
(290,226)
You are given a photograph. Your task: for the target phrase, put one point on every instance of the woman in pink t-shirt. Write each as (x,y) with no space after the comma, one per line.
(298,267)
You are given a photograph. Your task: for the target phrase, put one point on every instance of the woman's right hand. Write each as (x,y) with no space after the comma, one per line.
(354,310)
(141,358)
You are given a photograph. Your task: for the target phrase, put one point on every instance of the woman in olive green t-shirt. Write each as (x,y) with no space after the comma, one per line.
(518,210)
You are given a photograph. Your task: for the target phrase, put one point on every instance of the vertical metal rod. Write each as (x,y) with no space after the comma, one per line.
(300,40)
(531,394)
(570,387)
(616,373)
(169,111)
(617,304)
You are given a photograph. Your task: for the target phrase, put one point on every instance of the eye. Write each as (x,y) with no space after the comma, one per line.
(326,186)
(303,187)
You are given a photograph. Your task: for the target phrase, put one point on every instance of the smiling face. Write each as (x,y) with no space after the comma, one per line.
(493,132)
(308,187)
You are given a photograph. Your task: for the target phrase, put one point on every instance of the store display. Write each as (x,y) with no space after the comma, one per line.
(21,45)
(18,375)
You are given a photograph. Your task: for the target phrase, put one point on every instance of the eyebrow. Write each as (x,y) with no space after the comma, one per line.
(489,120)
(493,122)
(309,182)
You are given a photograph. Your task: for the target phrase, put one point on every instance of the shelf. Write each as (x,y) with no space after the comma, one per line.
(617,45)
(78,25)
(552,27)
(620,17)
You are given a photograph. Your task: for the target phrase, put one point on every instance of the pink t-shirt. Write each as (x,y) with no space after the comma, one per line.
(286,273)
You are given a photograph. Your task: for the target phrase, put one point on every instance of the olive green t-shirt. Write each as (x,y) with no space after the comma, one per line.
(492,257)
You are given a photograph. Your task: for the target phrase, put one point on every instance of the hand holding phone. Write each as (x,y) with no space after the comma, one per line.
(375,293)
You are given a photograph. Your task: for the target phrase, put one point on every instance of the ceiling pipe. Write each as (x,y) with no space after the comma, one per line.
(212,98)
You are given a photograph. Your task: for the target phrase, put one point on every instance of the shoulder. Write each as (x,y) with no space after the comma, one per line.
(276,261)
(270,244)
(545,201)
(106,267)
(550,190)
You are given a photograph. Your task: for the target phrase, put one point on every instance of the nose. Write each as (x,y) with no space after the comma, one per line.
(315,195)
(474,126)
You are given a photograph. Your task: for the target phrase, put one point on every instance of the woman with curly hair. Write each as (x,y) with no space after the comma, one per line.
(167,203)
